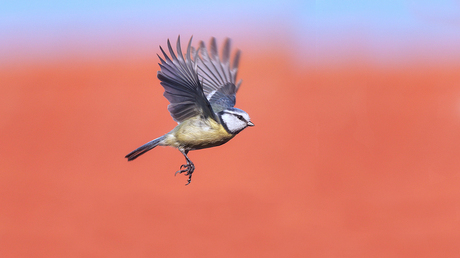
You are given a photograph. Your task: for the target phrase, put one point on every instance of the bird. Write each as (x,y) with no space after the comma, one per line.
(201,89)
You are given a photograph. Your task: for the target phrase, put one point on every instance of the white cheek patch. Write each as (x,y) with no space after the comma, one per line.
(233,124)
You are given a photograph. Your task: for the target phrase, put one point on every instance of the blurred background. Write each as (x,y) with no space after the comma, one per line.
(355,152)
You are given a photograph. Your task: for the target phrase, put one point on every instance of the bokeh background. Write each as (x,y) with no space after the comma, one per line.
(355,152)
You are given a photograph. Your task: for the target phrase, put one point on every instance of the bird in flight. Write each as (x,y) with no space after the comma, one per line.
(201,88)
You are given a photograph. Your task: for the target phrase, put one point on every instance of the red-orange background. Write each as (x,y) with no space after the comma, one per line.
(347,159)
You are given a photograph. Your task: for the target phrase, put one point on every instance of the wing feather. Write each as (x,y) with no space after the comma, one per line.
(218,76)
(183,89)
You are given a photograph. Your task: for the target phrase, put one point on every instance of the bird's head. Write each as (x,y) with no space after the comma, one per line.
(234,120)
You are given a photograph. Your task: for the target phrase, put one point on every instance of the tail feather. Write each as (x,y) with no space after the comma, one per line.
(144,148)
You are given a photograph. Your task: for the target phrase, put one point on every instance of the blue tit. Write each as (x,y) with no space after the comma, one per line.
(201,88)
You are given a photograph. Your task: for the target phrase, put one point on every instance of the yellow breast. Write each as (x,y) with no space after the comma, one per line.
(198,133)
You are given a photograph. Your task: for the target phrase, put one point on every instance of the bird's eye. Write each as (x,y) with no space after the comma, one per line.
(240,117)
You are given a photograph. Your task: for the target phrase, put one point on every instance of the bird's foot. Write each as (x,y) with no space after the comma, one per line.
(188,170)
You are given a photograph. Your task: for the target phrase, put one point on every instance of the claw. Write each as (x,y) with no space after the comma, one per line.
(189,179)
(186,168)
(180,171)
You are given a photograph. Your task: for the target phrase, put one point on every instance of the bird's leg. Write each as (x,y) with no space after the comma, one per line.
(189,167)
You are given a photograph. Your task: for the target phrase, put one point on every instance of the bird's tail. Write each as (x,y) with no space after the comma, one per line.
(144,148)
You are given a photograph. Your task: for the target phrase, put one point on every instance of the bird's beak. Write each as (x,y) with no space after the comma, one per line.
(250,123)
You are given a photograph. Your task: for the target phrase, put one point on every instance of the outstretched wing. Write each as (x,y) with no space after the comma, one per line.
(179,78)
(217,76)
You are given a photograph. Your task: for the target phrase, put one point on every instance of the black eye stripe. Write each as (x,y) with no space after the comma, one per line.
(240,117)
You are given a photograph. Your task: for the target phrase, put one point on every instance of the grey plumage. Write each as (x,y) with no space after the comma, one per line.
(223,98)
(144,148)
(183,89)
(217,76)
(201,90)
(203,85)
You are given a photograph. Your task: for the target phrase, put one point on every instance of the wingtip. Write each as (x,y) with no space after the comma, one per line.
(226,50)
(227,41)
